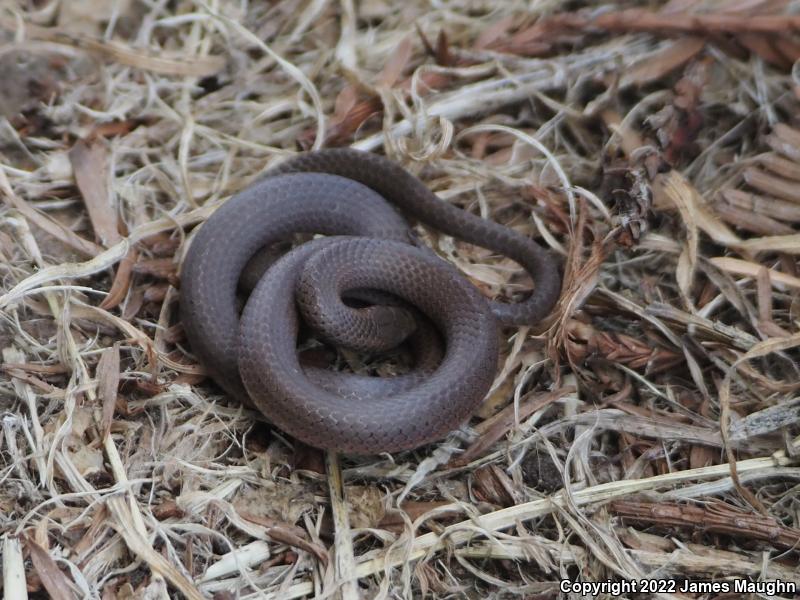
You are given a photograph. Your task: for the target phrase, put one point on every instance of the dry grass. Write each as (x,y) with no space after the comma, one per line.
(658,405)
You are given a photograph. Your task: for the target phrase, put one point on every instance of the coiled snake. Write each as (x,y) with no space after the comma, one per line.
(351,196)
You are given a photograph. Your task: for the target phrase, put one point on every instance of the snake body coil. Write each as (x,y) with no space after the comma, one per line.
(350,196)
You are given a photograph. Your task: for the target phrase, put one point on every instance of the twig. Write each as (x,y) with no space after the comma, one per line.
(641,20)
(345,563)
(716,517)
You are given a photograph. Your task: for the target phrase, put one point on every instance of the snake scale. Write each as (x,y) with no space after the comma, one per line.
(406,292)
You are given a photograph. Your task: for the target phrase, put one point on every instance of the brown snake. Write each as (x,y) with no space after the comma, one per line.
(350,195)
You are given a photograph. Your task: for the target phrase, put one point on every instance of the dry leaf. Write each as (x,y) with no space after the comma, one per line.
(122,281)
(494,428)
(672,189)
(663,61)
(188,66)
(90,165)
(777,243)
(53,579)
(396,64)
(737,266)
(48,224)
(107,376)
